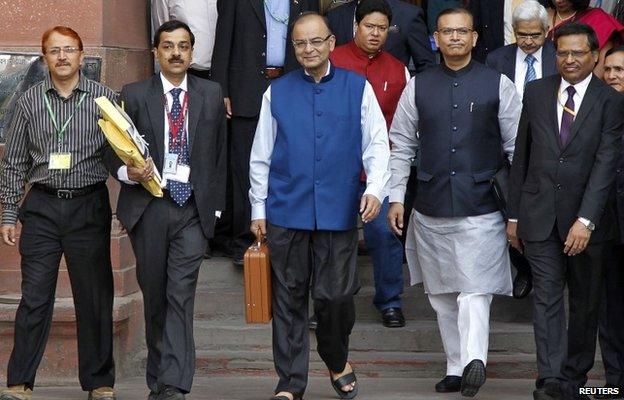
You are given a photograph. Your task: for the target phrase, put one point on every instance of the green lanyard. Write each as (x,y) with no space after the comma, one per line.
(60,132)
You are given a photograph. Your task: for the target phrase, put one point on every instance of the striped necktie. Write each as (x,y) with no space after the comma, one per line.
(179,191)
(567,117)
(530,72)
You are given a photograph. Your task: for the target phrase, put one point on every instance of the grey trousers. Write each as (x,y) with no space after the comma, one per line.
(325,263)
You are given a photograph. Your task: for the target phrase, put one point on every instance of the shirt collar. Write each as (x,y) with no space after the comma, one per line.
(167,86)
(49,85)
(580,87)
(521,55)
(328,74)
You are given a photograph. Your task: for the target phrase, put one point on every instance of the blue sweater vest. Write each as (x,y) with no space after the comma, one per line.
(317,158)
(460,140)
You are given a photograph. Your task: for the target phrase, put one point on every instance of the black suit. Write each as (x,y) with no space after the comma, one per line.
(489,23)
(239,64)
(169,240)
(551,186)
(504,60)
(407,37)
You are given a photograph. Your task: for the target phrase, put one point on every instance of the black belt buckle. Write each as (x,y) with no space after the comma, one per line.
(64,194)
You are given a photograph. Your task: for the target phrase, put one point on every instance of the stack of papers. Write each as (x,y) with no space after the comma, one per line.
(126,140)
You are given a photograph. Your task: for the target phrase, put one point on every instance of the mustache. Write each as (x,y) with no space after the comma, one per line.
(62,64)
(174,59)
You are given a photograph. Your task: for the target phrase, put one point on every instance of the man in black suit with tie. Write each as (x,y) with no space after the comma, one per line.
(407,35)
(561,206)
(182,118)
(252,47)
(532,57)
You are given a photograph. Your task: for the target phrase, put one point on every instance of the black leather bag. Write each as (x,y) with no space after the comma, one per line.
(500,187)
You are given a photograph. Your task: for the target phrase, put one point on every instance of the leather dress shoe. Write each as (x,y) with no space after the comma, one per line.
(170,393)
(450,384)
(522,285)
(102,393)
(472,378)
(238,261)
(393,318)
(16,392)
(550,391)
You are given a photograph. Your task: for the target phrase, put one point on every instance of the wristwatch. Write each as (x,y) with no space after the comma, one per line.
(588,224)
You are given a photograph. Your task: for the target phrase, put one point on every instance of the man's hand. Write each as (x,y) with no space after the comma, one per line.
(258,225)
(228,107)
(395,218)
(8,234)
(141,174)
(369,207)
(577,239)
(512,236)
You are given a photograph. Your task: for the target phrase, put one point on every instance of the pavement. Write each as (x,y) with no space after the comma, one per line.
(261,388)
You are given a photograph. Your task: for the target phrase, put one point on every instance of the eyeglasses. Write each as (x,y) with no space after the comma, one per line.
(459,31)
(527,36)
(315,43)
(56,51)
(574,53)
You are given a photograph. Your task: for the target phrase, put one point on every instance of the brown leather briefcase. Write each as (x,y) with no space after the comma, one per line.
(257,283)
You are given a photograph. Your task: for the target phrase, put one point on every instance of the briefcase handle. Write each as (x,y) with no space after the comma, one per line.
(260,238)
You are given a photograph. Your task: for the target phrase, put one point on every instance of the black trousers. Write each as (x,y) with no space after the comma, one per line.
(562,355)
(611,322)
(325,263)
(79,229)
(242,135)
(169,245)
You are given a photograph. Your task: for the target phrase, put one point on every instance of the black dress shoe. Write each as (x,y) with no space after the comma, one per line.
(312,322)
(238,261)
(472,378)
(550,391)
(522,285)
(170,393)
(393,318)
(450,384)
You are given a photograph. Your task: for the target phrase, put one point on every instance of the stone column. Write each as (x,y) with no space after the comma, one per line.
(118,32)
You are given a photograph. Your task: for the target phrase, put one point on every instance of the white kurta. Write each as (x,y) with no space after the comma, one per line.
(462,254)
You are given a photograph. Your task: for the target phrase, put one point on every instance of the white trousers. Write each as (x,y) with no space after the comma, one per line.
(464,323)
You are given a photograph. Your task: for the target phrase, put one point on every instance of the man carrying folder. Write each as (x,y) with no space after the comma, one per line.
(183,120)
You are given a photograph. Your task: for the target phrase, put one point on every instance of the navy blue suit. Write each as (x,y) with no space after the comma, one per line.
(407,37)
(504,60)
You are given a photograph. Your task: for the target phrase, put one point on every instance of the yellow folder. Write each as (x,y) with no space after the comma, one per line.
(126,141)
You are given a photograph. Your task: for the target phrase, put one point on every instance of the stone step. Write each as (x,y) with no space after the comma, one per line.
(372,364)
(417,336)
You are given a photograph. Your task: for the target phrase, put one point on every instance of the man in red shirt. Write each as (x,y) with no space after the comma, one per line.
(388,76)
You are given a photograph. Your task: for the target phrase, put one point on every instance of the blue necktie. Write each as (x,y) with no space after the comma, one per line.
(567,117)
(179,191)
(530,73)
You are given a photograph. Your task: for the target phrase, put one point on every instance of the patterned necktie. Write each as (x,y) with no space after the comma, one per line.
(179,191)
(568,117)
(530,72)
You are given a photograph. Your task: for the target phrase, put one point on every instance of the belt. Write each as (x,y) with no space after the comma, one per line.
(67,194)
(273,72)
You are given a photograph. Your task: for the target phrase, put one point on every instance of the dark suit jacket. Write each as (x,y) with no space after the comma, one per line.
(550,184)
(504,60)
(489,23)
(207,140)
(407,37)
(239,56)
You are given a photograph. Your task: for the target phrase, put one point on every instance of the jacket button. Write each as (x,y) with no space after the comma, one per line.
(452,173)
(561,160)
(558,186)
(318,158)
(455,84)
(319,113)
(454,128)
(317,182)
(452,150)
(455,105)
(263,54)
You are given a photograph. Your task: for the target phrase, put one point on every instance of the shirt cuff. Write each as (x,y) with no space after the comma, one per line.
(258,211)
(512,220)
(9,217)
(397,196)
(122,175)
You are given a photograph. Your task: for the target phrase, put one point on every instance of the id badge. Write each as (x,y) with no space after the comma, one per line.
(59,161)
(182,174)
(171,164)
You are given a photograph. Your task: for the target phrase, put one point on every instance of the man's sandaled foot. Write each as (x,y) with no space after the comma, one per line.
(16,392)
(284,396)
(345,380)
(102,393)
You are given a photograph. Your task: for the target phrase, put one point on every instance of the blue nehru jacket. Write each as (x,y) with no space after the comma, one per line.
(460,140)
(317,158)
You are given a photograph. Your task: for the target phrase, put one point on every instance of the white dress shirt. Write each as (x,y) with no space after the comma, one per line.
(562,97)
(200,16)
(375,150)
(522,66)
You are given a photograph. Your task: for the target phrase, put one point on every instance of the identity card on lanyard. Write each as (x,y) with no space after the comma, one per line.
(59,159)
(174,168)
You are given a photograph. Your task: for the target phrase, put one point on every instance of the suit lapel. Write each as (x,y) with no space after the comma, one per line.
(195,105)
(551,106)
(154,104)
(548,60)
(591,95)
(258,6)
(510,63)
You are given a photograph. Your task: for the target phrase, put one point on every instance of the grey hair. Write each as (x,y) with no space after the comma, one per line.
(530,10)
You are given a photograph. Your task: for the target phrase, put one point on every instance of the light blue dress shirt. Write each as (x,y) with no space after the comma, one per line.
(276,13)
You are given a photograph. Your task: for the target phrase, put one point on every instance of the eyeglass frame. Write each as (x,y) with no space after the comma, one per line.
(56,51)
(448,32)
(576,54)
(303,43)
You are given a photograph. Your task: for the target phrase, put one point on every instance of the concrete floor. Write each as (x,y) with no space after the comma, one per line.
(260,388)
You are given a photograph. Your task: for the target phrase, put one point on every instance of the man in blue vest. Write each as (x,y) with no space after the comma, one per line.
(319,127)
(456,242)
